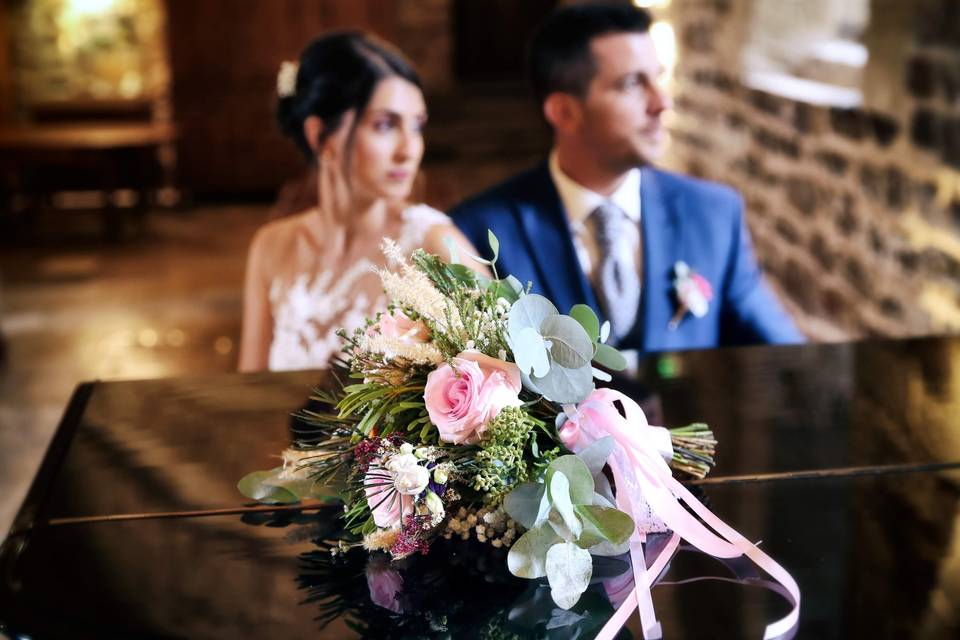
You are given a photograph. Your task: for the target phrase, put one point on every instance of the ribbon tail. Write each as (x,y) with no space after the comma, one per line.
(650,575)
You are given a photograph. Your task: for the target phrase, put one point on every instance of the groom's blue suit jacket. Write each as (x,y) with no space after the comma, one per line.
(698,222)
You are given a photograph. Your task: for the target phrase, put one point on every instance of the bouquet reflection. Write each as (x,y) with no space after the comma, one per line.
(466,591)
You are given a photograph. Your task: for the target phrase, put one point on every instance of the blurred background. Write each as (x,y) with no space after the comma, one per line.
(138,155)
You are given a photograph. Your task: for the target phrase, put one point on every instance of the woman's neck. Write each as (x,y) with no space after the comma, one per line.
(337,232)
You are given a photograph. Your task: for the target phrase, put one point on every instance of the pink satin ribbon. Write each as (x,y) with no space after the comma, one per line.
(642,476)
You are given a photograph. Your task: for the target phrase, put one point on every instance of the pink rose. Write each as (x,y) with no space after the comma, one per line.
(397,325)
(388,505)
(463,399)
(385,585)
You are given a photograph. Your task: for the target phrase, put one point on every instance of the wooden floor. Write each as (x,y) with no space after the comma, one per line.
(164,302)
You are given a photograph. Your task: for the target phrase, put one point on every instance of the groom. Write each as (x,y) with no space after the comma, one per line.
(666,258)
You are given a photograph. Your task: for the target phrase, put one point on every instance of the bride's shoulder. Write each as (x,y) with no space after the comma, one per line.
(424,216)
(277,236)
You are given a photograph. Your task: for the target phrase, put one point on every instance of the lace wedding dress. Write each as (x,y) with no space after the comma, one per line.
(308,309)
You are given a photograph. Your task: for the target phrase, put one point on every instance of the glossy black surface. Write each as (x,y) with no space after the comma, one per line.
(182,443)
(858,545)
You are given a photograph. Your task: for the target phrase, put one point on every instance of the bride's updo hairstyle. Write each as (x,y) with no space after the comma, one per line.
(336,73)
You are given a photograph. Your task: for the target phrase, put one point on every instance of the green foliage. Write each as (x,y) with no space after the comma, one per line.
(503,460)
(566,522)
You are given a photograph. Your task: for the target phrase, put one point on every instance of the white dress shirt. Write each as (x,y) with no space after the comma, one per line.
(580,202)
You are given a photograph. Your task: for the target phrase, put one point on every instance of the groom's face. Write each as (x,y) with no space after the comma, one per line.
(621,111)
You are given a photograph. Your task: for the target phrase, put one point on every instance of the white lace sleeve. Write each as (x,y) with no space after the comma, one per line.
(417,220)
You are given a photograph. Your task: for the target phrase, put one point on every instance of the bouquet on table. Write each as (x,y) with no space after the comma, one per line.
(468,408)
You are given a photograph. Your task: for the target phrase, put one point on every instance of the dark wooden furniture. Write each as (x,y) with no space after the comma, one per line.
(38,161)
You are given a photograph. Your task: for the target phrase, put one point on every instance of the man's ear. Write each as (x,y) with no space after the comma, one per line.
(312,128)
(563,112)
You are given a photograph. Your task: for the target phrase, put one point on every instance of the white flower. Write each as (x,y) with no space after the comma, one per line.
(287,79)
(409,478)
(440,475)
(406,447)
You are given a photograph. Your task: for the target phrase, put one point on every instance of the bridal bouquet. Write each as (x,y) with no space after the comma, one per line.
(462,411)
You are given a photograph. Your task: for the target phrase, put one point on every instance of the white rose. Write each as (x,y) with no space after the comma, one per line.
(397,462)
(409,478)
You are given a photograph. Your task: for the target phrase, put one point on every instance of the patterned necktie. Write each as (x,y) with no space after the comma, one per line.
(615,276)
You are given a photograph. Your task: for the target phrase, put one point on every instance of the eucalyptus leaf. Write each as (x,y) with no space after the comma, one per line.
(530,352)
(523,503)
(563,385)
(601,375)
(578,476)
(503,289)
(595,455)
(587,319)
(590,537)
(560,497)
(568,569)
(613,524)
(608,549)
(545,508)
(560,527)
(529,311)
(528,383)
(609,357)
(257,486)
(571,346)
(494,245)
(527,557)
(604,331)
(515,284)
(604,490)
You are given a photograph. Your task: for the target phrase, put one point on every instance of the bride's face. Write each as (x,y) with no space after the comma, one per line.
(388,142)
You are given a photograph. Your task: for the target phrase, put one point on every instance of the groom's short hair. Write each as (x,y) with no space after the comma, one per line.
(558,54)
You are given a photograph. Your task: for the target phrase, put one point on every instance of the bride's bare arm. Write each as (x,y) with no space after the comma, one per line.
(257,331)
(435,242)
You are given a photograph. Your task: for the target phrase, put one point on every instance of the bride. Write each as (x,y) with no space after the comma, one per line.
(355,108)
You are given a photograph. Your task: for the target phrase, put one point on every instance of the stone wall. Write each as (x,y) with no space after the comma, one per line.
(855,212)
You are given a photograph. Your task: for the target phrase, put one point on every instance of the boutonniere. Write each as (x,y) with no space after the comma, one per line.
(692,291)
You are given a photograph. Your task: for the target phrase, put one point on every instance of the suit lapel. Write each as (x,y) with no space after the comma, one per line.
(549,235)
(661,238)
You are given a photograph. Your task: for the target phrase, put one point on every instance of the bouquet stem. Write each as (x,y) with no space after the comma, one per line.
(693,449)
